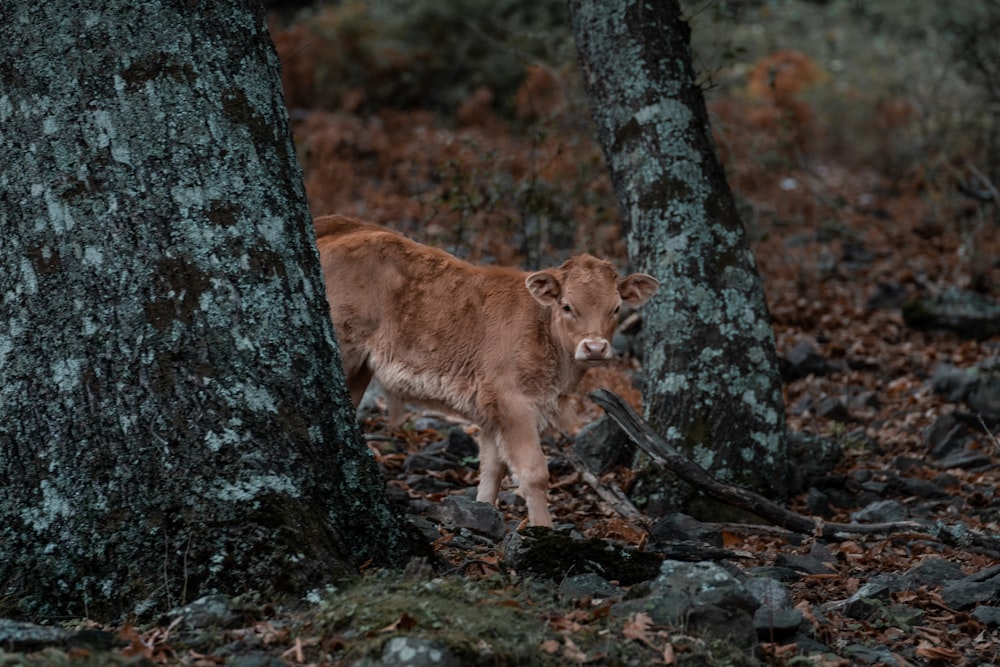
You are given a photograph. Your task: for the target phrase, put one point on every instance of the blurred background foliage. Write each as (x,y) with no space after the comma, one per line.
(822,110)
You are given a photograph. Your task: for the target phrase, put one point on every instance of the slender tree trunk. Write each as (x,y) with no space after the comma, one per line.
(712,384)
(173,419)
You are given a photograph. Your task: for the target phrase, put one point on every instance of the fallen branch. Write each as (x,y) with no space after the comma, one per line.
(611,495)
(663,454)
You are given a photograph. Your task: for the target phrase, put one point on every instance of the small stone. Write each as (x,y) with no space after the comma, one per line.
(871,597)
(881,511)
(770,593)
(951,381)
(946,435)
(987,615)
(588,585)
(601,445)
(23,636)
(208,611)
(425,461)
(966,459)
(806,564)
(782,574)
(416,652)
(461,445)
(802,360)
(460,511)
(679,527)
(975,589)
(818,503)
(830,407)
(933,571)
(778,624)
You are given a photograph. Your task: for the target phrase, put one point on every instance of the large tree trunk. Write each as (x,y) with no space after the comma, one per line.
(173,419)
(712,385)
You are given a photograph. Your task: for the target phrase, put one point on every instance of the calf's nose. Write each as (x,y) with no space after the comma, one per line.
(593,349)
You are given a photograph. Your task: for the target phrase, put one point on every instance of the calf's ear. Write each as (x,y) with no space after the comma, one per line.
(545,287)
(637,288)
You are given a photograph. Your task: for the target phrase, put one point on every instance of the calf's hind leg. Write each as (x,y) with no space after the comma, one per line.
(358,377)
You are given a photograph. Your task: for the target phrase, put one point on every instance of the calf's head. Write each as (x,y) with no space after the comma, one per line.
(585,295)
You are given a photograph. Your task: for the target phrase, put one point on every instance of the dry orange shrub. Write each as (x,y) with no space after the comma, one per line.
(409,170)
(771,108)
(540,96)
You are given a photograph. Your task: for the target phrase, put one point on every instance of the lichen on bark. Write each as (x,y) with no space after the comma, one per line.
(712,385)
(172,416)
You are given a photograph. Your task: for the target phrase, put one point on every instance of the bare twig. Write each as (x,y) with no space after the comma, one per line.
(996,440)
(663,454)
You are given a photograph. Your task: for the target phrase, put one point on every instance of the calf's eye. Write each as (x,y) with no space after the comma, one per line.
(566,308)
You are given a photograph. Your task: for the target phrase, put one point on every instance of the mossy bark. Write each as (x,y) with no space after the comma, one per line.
(173,418)
(712,384)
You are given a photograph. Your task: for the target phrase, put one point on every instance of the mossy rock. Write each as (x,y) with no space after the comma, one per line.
(545,553)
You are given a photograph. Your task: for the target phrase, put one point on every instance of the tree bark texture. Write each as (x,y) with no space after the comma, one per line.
(712,385)
(173,419)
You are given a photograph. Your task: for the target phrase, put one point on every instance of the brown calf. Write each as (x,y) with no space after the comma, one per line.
(498,346)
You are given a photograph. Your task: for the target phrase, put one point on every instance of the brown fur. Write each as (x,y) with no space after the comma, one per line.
(492,344)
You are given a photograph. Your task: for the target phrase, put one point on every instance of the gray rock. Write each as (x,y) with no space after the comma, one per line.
(869,655)
(602,444)
(806,564)
(810,457)
(984,397)
(974,589)
(770,593)
(810,645)
(254,660)
(933,571)
(881,511)
(946,435)
(461,445)
(425,483)
(887,296)
(987,615)
(818,503)
(588,585)
(429,423)
(833,407)
(777,625)
(966,312)
(862,399)
(802,360)
(207,612)
(914,486)
(951,381)
(776,618)
(428,461)
(966,459)
(427,528)
(679,527)
(23,636)
(460,511)
(703,596)
(782,574)
(413,652)
(872,597)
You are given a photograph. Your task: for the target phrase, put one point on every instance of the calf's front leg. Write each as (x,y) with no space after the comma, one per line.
(491,468)
(521,448)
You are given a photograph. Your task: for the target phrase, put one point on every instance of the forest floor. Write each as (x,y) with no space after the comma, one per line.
(841,248)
